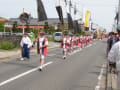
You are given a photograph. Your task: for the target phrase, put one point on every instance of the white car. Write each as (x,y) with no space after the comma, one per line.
(58,36)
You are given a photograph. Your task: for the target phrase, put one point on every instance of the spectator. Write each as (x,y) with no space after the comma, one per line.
(114,54)
(110,42)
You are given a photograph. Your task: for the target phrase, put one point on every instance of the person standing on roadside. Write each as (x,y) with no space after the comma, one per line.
(115,38)
(25,45)
(110,42)
(114,54)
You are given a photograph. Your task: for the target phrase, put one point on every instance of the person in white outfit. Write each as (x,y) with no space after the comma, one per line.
(114,54)
(25,45)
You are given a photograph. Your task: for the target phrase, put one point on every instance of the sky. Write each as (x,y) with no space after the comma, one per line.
(102,11)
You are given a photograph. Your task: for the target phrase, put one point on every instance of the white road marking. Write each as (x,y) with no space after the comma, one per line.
(97,87)
(23,74)
(100,77)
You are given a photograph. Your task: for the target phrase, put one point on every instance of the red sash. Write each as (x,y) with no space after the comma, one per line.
(66,43)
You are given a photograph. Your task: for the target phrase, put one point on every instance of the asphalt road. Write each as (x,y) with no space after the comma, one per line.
(79,71)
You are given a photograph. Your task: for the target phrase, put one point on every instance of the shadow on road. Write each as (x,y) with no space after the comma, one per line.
(20,63)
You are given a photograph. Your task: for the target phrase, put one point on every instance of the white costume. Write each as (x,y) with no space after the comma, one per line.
(26,40)
(114,54)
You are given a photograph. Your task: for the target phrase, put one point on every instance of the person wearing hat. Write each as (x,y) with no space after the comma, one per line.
(114,54)
(110,42)
(43,43)
(25,45)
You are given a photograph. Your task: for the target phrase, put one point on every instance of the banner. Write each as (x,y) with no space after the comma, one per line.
(60,14)
(98,32)
(86,19)
(70,22)
(41,11)
(76,26)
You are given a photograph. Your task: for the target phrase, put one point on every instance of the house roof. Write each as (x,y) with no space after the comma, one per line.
(33,21)
(3,19)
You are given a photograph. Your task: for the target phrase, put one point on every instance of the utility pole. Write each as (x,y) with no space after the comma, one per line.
(70,5)
(23,24)
(119,13)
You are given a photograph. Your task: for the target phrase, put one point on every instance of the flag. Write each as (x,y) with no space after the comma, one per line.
(60,14)
(70,21)
(70,3)
(75,10)
(65,2)
(98,32)
(86,18)
(41,11)
(76,26)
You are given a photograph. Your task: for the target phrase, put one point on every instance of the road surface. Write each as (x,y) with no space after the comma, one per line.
(79,71)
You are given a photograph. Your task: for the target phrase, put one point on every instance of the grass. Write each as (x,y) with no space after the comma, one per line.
(51,39)
(7,45)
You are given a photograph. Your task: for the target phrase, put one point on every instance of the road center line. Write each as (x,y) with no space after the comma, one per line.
(23,74)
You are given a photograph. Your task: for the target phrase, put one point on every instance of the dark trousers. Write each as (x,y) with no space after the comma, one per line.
(25,51)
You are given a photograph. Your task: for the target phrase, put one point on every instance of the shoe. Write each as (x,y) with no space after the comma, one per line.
(64,57)
(40,69)
(22,59)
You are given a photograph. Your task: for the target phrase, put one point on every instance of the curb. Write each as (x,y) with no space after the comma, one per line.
(33,51)
(111,81)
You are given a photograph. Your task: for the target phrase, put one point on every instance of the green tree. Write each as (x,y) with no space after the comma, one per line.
(59,29)
(36,32)
(1,26)
(15,27)
(51,30)
(46,27)
(7,29)
(82,32)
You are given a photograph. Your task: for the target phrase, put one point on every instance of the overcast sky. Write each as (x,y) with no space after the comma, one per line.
(103,11)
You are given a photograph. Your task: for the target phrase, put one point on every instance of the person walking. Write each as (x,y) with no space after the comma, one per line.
(25,45)
(64,45)
(43,43)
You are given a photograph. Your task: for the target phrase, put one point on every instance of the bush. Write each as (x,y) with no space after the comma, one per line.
(1,26)
(51,39)
(36,32)
(6,45)
(95,36)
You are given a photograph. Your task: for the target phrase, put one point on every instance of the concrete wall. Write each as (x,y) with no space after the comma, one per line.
(11,38)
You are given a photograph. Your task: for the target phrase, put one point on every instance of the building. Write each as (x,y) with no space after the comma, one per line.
(34,23)
(3,19)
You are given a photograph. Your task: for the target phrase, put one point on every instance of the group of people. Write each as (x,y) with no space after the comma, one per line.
(70,42)
(42,44)
(113,50)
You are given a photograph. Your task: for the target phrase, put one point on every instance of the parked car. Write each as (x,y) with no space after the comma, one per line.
(57,36)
